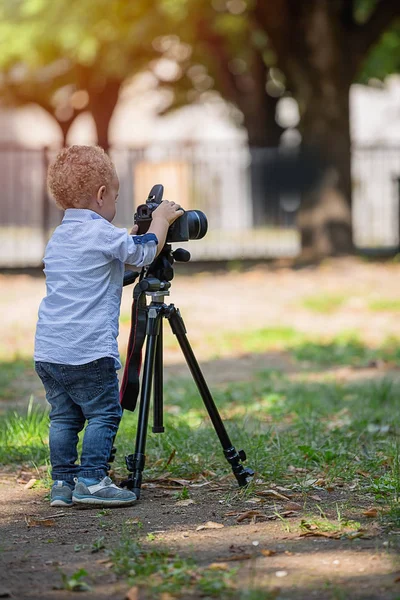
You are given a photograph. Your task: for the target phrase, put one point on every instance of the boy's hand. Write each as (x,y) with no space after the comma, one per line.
(134,230)
(168,211)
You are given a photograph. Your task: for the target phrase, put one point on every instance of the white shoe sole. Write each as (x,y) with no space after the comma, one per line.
(59,502)
(91,500)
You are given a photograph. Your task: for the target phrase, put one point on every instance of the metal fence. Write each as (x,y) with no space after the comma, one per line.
(248,216)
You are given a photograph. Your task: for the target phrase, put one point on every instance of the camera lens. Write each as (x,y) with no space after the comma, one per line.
(197,224)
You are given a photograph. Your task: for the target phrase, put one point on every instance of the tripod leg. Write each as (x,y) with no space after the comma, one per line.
(135,462)
(158,425)
(242,474)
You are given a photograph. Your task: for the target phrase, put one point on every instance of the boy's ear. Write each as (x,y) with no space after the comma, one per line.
(100,195)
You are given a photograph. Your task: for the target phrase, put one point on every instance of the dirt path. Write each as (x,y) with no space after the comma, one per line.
(270,555)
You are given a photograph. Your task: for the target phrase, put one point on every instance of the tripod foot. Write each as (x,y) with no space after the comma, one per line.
(243,474)
(135,464)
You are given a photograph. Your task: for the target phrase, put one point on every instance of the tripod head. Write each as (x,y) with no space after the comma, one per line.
(160,269)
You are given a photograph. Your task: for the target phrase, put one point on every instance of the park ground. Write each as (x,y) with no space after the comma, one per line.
(304,365)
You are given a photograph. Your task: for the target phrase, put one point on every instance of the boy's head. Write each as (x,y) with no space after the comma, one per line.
(84,177)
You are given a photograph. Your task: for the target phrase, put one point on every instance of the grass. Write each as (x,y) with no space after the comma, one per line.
(298,433)
(163,572)
(385,304)
(324,303)
(333,431)
(10,372)
(347,348)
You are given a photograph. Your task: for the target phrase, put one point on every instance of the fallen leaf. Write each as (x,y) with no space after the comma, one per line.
(316,498)
(371,512)
(273,494)
(293,506)
(198,485)
(106,562)
(30,484)
(218,566)
(320,482)
(187,502)
(333,535)
(397,580)
(268,552)
(31,522)
(133,593)
(281,573)
(237,557)
(309,482)
(293,469)
(249,514)
(284,490)
(363,473)
(210,525)
(253,500)
(232,513)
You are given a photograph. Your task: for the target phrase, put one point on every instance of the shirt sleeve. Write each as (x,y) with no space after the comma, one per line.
(135,250)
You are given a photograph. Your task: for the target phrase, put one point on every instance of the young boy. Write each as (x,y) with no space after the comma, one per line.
(76,351)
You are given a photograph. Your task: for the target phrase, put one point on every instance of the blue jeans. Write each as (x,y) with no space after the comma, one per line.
(79,394)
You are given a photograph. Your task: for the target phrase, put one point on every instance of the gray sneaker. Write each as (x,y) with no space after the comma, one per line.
(61,494)
(103,493)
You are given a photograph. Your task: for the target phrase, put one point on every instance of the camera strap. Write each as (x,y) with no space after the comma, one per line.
(129,391)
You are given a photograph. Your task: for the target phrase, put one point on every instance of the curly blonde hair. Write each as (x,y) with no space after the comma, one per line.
(76,175)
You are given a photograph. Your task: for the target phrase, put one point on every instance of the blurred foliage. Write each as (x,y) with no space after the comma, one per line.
(82,32)
(199,50)
(50,50)
(384,57)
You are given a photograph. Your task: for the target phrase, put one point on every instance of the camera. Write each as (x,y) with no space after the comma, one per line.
(192,225)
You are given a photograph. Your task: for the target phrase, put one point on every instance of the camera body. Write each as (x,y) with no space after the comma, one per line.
(192,225)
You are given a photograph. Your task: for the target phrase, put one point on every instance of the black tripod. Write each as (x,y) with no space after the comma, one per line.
(155,283)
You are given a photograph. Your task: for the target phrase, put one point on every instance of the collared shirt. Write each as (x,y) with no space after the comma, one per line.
(84,267)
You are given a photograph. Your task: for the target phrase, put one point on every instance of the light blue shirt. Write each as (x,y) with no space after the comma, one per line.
(84,266)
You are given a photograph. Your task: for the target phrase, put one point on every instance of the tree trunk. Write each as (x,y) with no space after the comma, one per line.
(262,129)
(325,212)
(102,101)
(258,107)
(314,51)
(65,126)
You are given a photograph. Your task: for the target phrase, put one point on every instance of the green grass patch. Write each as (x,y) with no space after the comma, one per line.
(328,429)
(384,304)
(11,372)
(24,436)
(163,572)
(258,340)
(346,348)
(324,303)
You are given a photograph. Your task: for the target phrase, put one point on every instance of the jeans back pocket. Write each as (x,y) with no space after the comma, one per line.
(83,382)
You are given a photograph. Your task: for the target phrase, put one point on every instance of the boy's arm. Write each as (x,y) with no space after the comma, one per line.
(136,250)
